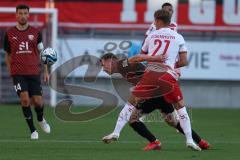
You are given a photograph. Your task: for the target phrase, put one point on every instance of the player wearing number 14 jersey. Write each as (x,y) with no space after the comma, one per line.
(23,44)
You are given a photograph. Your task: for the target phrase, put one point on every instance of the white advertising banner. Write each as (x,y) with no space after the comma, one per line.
(213,61)
(207,60)
(75,47)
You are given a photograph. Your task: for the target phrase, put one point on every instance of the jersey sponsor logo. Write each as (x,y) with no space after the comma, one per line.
(31,37)
(23,48)
(23,45)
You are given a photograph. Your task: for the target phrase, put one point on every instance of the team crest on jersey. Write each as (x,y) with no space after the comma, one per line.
(30,37)
(14,37)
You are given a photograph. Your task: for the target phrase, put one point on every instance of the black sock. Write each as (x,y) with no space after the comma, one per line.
(39,111)
(195,136)
(29,118)
(142,130)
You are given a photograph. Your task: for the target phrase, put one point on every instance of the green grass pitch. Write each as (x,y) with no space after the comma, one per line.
(82,140)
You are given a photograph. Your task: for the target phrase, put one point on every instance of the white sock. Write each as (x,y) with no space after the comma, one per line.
(123,118)
(185,123)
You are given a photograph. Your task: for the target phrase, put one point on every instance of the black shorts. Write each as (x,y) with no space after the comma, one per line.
(152,104)
(29,83)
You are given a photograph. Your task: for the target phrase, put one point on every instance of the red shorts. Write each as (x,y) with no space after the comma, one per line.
(155,84)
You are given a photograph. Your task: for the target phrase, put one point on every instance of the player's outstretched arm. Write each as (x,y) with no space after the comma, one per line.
(157,58)
(144,57)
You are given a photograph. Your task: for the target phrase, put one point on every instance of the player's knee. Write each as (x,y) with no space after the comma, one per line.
(134,116)
(133,119)
(170,123)
(180,104)
(25,102)
(37,102)
(171,119)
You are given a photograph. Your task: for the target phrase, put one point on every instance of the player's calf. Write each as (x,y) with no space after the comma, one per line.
(142,130)
(39,112)
(171,118)
(29,118)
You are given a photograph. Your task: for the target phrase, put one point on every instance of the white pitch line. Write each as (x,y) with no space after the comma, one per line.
(93,141)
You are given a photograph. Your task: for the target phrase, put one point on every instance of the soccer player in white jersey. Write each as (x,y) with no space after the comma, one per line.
(168,43)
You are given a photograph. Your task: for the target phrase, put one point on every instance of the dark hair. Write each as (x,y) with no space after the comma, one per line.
(166,4)
(22,6)
(163,16)
(108,56)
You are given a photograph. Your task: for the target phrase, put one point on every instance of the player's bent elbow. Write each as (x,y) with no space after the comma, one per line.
(182,64)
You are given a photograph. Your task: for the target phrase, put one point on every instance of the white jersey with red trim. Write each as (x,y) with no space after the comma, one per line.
(173,26)
(165,42)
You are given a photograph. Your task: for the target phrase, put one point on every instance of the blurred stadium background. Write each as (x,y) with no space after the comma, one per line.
(210,27)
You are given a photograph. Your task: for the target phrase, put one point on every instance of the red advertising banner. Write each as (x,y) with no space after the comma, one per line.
(192,15)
